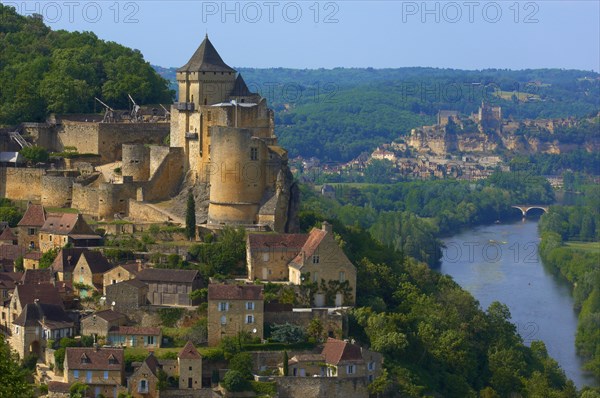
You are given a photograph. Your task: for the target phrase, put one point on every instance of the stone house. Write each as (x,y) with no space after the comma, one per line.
(233,309)
(60,229)
(100,323)
(298,258)
(189,362)
(29,226)
(36,325)
(306,365)
(128,295)
(143,383)
(8,255)
(65,261)
(268,255)
(31,260)
(7,237)
(89,272)
(346,360)
(134,336)
(8,281)
(171,287)
(323,261)
(120,273)
(25,294)
(102,369)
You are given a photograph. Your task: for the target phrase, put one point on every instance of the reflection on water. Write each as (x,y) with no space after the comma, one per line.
(500,263)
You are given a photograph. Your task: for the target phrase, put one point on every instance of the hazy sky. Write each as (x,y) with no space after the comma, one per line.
(309,34)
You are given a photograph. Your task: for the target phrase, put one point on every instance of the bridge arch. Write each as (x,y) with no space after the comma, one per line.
(526,208)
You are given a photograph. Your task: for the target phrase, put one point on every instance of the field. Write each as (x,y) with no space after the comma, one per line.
(592,247)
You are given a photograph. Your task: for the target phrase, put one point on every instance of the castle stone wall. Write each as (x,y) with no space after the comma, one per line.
(136,161)
(141,211)
(81,135)
(21,183)
(321,387)
(56,190)
(113,135)
(85,199)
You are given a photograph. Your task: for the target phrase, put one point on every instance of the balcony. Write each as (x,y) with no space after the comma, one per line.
(185,106)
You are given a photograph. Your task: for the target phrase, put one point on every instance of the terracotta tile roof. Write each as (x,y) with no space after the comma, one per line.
(97,262)
(7,236)
(11,252)
(135,330)
(167,275)
(33,256)
(52,316)
(34,216)
(135,283)
(66,259)
(293,242)
(58,387)
(134,268)
(235,292)
(91,358)
(336,351)
(109,315)
(306,358)
(46,293)
(189,352)
(312,243)
(8,280)
(36,276)
(61,224)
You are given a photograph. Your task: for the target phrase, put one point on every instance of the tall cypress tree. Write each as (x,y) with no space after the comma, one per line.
(190,218)
(286,370)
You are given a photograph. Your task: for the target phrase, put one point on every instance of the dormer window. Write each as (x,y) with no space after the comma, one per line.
(112,360)
(85,359)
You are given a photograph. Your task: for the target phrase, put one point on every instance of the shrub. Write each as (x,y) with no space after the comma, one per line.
(170,316)
(234,381)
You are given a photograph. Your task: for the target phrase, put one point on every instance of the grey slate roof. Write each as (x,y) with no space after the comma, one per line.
(206,59)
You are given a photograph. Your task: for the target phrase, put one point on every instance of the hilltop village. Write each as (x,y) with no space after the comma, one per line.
(116,323)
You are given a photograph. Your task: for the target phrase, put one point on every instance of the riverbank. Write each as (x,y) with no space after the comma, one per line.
(500,262)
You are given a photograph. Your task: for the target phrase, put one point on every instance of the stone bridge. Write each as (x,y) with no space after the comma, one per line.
(525,208)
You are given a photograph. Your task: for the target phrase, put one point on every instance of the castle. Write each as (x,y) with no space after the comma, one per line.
(222,147)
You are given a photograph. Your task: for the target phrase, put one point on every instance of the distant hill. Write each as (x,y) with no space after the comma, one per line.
(336,114)
(43,71)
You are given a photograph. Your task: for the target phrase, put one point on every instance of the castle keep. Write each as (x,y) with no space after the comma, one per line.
(227,135)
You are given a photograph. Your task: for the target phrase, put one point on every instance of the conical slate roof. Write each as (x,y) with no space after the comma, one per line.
(206,59)
(240,89)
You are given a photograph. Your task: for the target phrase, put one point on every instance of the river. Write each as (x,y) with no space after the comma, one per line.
(500,263)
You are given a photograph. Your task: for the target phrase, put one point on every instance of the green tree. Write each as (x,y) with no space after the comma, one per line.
(242,362)
(287,333)
(35,154)
(78,390)
(235,381)
(14,377)
(190,217)
(286,366)
(48,258)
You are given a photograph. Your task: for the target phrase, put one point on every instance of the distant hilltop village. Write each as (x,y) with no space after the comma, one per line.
(222,148)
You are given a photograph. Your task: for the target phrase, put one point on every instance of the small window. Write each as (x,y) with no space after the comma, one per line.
(250,305)
(342,276)
(249,319)
(190,369)
(106,375)
(150,340)
(371,365)
(350,369)
(209,149)
(223,306)
(143,386)
(253,153)
(265,257)
(31,231)
(76,374)
(223,320)
(315,259)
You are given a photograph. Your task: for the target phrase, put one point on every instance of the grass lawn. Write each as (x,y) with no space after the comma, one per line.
(61,210)
(591,247)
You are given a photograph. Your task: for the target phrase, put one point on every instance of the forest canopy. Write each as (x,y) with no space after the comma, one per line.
(44,71)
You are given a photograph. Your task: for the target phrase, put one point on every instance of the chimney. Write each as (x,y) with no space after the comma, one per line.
(325,226)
